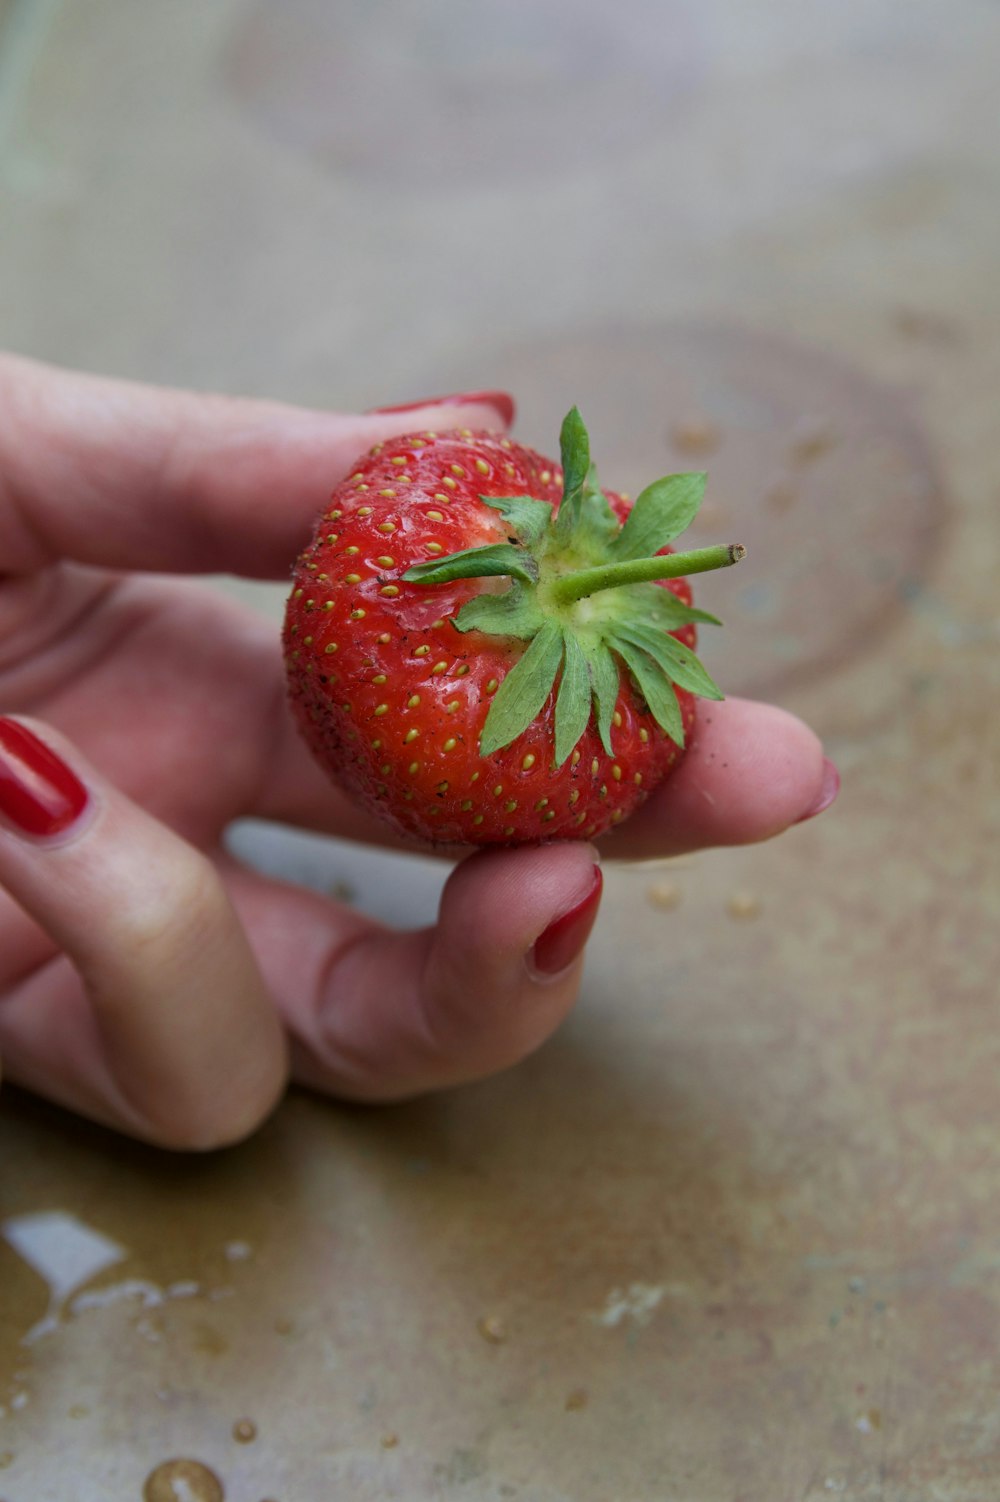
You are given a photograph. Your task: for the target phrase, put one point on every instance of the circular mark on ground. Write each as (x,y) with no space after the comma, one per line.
(817,468)
(448,92)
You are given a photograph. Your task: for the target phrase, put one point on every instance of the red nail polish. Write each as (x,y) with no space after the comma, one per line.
(563,940)
(39,795)
(501,403)
(829,789)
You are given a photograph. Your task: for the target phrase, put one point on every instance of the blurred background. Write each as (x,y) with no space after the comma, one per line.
(734,1235)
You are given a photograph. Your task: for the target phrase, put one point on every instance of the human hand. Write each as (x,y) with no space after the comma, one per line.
(148,979)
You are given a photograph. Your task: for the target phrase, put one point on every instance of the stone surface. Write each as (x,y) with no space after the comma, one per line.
(746,1202)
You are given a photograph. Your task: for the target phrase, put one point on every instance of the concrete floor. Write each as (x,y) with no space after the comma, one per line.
(733,1236)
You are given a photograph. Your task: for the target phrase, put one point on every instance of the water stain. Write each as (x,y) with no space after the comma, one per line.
(438,95)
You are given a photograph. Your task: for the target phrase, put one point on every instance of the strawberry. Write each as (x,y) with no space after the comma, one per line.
(484,647)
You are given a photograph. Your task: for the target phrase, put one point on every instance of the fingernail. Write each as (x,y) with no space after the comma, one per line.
(39,795)
(564,938)
(502,404)
(828,791)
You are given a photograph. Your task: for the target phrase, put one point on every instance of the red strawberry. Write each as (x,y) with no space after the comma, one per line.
(484,647)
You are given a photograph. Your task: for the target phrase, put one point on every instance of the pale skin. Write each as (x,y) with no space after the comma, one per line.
(150,981)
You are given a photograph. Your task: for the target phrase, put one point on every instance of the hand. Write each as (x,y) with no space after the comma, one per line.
(148,979)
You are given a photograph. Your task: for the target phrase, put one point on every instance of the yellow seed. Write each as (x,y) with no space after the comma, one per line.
(418,443)
(616,772)
(474,777)
(332,536)
(376,745)
(482,466)
(439,667)
(350,552)
(413,701)
(492,686)
(379,678)
(644,736)
(617,719)
(307,641)
(595,766)
(466,805)
(385,769)
(440,496)
(574,759)
(398,461)
(357,615)
(456,469)
(617,816)
(451,706)
(408,480)
(438,622)
(384,638)
(498,790)
(460,672)
(542,803)
(381,709)
(298,594)
(574,797)
(603,791)
(435,516)
(386,561)
(365,510)
(434,547)
(527,762)
(637,779)
(508,829)
(550,815)
(421,651)
(414,768)
(442,787)
(387,527)
(450,743)
(545,476)
(330,647)
(579,818)
(451,484)
(478,819)
(510,805)
(387,492)
(334,516)
(509,467)
(389,589)
(352,578)
(410,735)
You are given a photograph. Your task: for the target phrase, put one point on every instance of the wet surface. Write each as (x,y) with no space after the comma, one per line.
(733,1234)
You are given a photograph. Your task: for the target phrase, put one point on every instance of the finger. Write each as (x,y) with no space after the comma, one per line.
(751,771)
(131,476)
(157,1020)
(377,1015)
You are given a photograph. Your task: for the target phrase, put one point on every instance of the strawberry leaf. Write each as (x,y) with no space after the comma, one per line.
(604,679)
(596,524)
(514,613)
(476,563)
(574,450)
(573,699)
(657,690)
(661,512)
(675,659)
(664,609)
(530,519)
(520,697)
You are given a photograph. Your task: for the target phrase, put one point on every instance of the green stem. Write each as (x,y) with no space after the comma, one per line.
(587,581)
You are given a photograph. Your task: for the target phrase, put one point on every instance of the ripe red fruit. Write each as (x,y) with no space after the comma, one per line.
(484,647)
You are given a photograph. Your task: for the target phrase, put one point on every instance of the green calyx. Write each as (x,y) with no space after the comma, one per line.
(582,593)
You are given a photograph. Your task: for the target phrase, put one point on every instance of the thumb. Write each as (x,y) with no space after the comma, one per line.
(156,1021)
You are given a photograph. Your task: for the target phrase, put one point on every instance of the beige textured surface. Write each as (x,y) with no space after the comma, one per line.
(735,1232)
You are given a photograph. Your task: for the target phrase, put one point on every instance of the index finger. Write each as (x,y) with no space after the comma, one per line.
(129,476)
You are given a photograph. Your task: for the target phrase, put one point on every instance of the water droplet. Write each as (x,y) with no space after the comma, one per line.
(182,1481)
(743,905)
(664,894)
(492,1328)
(244,1431)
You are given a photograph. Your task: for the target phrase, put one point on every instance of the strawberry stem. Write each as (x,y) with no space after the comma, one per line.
(587,581)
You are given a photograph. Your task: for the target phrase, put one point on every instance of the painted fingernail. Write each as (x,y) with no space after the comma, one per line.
(829,789)
(500,401)
(39,795)
(564,938)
